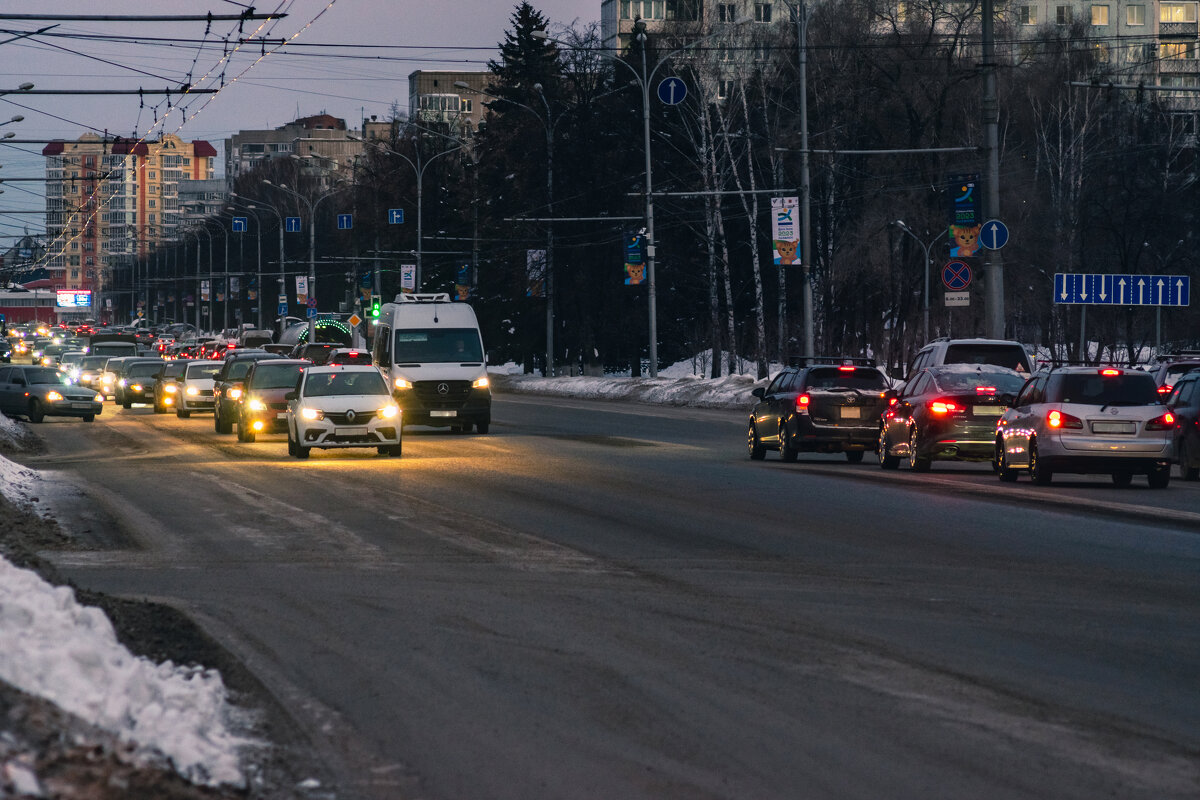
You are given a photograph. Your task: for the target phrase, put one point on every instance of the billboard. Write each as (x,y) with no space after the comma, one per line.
(74,298)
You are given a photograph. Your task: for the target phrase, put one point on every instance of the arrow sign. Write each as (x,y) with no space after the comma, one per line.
(239,224)
(994,234)
(395,216)
(672,91)
(345,222)
(291,224)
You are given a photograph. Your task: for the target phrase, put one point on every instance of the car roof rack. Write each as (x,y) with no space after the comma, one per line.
(1178,354)
(804,361)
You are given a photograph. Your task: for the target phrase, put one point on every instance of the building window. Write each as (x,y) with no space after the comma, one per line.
(467,105)
(1175,50)
(762,12)
(724,89)
(1101,51)
(153,175)
(75,274)
(1028,15)
(726,12)
(153,203)
(1099,15)
(1177,12)
(1135,15)
(1062,15)
(152,218)
(89,261)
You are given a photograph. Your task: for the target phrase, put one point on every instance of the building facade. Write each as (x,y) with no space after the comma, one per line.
(434,98)
(322,139)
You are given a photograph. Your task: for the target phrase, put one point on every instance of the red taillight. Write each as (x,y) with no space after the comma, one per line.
(1057,419)
(1108,373)
(943,407)
(802,402)
(985,390)
(1164,423)
(846,369)
(1165,389)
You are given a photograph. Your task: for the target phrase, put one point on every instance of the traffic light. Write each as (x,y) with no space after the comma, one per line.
(374,313)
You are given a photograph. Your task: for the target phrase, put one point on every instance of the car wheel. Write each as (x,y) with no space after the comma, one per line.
(159,408)
(757,451)
(1186,471)
(1122,479)
(179,412)
(1000,464)
(1159,478)
(787,450)
(854,456)
(300,451)
(89,417)
(917,463)
(481,427)
(36,412)
(1038,472)
(221,424)
(886,459)
(395,450)
(126,404)
(291,442)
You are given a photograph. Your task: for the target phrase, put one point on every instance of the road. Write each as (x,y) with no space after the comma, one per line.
(611,601)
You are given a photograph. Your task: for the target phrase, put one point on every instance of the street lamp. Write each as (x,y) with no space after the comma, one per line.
(899,223)
(282,259)
(246,207)
(312,246)
(644,81)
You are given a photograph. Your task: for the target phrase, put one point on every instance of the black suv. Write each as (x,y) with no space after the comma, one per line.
(1173,366)
(227,386)
(1184,403)
(824,405)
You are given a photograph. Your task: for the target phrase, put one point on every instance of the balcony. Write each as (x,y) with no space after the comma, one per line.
(1177,29)
(1179,66)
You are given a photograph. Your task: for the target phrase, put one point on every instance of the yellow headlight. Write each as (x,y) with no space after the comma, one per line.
(121,382)
(310,413)
(235,393)
(99,398)
(192,390)
(137,387)
(53,396)
(401,383)
(387,412)
(480,383)
(257,405)
(170,388)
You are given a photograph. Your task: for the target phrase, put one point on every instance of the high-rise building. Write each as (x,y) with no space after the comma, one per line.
(322,139)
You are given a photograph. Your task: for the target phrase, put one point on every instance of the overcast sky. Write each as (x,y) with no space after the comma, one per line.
(297,80)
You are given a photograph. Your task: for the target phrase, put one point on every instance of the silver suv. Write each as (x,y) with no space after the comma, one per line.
(1086,420)
(996,352)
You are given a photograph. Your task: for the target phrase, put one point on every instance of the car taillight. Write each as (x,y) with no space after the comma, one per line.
(802,402)
(985,390)
(845,369)
(1165,389)
(943,407)
(1058,419)
(1164,423)
(1109,373)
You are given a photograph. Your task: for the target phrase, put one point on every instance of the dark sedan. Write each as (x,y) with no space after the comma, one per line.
(263,405)
(40,392)
(946,413)
(1184,403)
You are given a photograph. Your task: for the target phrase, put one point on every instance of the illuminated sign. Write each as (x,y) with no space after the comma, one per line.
(68,298)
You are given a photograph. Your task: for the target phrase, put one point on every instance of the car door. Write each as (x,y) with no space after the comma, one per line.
(1185,405)
(1017,423)
(767,414)
(5,389)
(906,404)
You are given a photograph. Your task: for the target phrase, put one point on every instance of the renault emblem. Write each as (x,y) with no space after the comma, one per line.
(443,388)
(350,416)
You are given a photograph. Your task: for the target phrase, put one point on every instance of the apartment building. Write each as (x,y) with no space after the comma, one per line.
(434,98)
(322,139)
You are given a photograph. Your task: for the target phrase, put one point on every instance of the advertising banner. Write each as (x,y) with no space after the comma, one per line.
(635,264)
(235,287)
(785,230)
(302,289)
(965,219)
(408,277)
(204,291)
(462,283)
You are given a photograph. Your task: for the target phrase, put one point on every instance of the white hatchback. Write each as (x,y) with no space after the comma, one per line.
(342,406)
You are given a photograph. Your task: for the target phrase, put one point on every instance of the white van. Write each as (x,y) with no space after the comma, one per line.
(432,353)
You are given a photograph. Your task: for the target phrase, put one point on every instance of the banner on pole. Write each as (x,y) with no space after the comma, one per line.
(408,277)
(220,282)
(302,289)
(204,290)
(235,287)
(535,273)
(462,283)
(785,230)
(635,264)
(965,219)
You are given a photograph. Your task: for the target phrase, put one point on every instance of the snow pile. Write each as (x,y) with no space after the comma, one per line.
(55,648)
(15,481)
(731,391)
(13,435)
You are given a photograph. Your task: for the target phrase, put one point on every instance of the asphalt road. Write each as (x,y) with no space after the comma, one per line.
(610,601)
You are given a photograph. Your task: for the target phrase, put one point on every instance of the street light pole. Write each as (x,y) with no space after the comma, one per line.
(925,248)
(282,288)
(312,245)
(258,232)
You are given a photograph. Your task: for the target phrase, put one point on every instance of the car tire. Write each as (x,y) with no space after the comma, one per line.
(300,451)
(854,456)
(1038,472)
(1186,471)
(158,408)
(1000,464)
(482,427)
(89,417)
(886,459)
(126,404)
(917,463)
(179,412)
(757,451)
(787,451)
(291,442)
(222,425)
(1122,480)
(395,450)
(1159,478)
(36,412)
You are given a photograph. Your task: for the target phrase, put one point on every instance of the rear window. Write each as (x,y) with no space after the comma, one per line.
(1001,380)
(1176,370)
(1012,356)
(1126,389)
(275,376)
(856,378)
(144,370)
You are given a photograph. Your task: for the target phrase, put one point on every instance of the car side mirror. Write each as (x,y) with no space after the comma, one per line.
(292,395)
(759,392)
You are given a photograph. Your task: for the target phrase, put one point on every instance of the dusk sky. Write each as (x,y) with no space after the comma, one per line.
(299,79)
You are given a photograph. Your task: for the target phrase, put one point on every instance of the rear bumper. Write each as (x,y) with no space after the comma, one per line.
(1090,464)
(811,436)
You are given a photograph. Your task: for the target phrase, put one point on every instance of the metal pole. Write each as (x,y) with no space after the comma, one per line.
(991,124)
(312,267)
(197,297)
(926,248)
(420,229)
(225,280)
(283,292)
(651,298)
(806,188)
(1083,353)
(259,280)
(550,370)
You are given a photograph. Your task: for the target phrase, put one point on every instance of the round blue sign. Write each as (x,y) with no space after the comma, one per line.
(956,275)
(672,91)
(993,235)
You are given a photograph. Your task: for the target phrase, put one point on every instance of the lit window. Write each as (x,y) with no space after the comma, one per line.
(1099,15)
(1135,15)
(1177,12)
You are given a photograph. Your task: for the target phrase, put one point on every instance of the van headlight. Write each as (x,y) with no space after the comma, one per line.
(192,391)
(170,388)
(235,393)
(480,383)
(311,414)
(402,383)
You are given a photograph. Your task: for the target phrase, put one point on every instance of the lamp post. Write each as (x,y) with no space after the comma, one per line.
(282,289)
(195,232)
(899,223)
(249,209)
(312,244)
(643,81)
(202,227)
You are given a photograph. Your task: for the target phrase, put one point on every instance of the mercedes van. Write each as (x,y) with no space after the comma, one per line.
(432,353)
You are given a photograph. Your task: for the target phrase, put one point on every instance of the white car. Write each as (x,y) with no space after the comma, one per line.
(342,406)
(196,388)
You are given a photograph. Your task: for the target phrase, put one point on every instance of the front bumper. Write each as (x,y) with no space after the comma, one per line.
(72,408)
(424,405)
(324,434)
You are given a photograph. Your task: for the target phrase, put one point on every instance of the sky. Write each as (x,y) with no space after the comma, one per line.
(260,91)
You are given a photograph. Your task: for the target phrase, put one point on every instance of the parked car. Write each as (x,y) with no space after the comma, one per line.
(1173,366)
(263,405)
(166,385)
(1087,420)
(997,352)
(827,405)
(136,384)
(39,392)
(946,413)
(196,387)
(341,406)
(1184,403)
(228,386)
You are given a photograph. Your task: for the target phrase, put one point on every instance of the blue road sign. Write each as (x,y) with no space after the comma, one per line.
(956,275)
(312,312)
(239,224)
(672,91)
(283,309)
(345,222)
(1122,290)
(994,234)
(395,216)
(291,224)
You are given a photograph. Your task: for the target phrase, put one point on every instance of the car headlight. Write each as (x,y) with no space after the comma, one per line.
(402,383)
(47,361)
(235,393)
(387,412)
(99,398)
(137,387)
(480,383)
(170,388)
(311,414)
(192,391)
(257,405)
(53,396)
(121,382)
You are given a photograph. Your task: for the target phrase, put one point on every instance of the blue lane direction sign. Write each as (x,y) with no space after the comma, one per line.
(994,234)
(956,275)
(291,224)
(395,216)
(239,224)
(312,312)
(282,309)
(1122,290)
(672,91)
(345,222)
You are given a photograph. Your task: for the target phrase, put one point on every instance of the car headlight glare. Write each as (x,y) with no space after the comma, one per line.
(257,405)
(311,414)
(387,412)
(234,394)
(480,383)
(99,398)
(137,387)
(170,388)
(192,391)
(121,382)
(403,383)
(53,396)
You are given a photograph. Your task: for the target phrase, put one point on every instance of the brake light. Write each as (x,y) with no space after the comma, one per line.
(985,390)
(942,407)
(1057,419)
(1108,373)
(802,402)
(1164,423)
(1165,389)
(846,369)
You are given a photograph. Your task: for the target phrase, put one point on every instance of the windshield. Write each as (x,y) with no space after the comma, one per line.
(275,376)
(835,378)
(44,375)
(93,362)
(1011,356)
(201,371)
(71,358)
(1125,389)
(1000,380)
(438,345)
(344,383)
(143,370)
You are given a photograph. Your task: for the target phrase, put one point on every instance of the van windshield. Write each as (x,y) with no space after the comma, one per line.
(423,346)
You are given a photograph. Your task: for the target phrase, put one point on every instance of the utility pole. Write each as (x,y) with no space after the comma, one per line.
(991,197)
(805,183)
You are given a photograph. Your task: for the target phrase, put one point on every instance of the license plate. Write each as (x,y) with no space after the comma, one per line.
(1114,427)
(851,412)
(349,431)
(281,415)
(443,413)
(988,411)
(81,405)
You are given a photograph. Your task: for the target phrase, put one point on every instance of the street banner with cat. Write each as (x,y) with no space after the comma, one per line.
(785,230)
